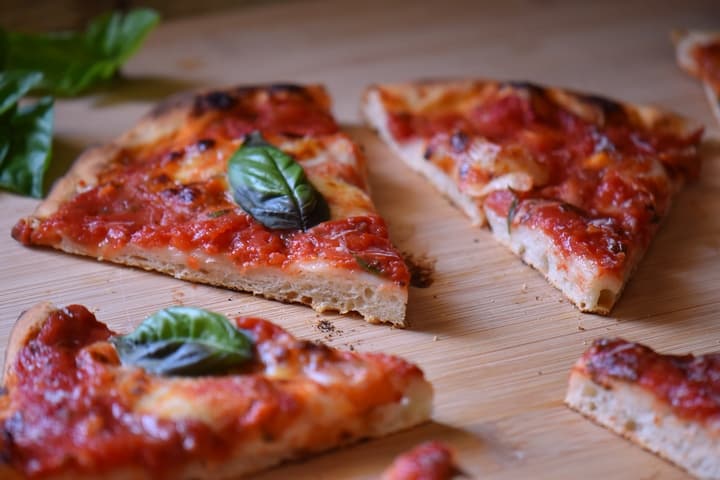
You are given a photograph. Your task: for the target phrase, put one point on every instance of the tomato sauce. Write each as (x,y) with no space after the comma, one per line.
(70,407)
(708,61)
(138,202)
(689,385)
(603,195)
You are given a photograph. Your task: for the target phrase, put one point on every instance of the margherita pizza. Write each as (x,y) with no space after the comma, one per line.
(188,394)
(576,185)
(669,404)
(699,54)
(250,188)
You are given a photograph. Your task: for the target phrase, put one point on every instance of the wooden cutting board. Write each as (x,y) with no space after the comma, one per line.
(494,338)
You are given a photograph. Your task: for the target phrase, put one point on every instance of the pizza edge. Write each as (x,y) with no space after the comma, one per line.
(684,42)
(581,284)
(637,415)
(414,409)
(323,288)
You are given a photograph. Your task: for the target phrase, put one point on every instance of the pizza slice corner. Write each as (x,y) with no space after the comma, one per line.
(188,394)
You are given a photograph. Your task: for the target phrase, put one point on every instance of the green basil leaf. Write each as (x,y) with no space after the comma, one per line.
(13,85)
(512,210)
(185,341)
(272,187)
(26,147)
(367,266)
(72,61)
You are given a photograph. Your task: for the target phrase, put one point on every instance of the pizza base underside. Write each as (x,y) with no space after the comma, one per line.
(327,288)
(581,282)
(254,454)
(317,284)
(637,415)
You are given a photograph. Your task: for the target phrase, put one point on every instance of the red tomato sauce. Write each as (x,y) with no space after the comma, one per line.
(708,61)
(689,385)
(73,415)
(137,202)
(599,173)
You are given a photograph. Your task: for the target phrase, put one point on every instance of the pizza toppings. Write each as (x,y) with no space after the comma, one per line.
(707,58)
(185,341)
(689,385)
(251,188)
(575,184)
(273,188)
(71,406)
(427,461)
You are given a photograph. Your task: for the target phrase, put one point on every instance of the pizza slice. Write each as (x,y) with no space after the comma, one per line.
(698,53)
(668,404)
(428,461)
(249,188)
(575,184)
(188,394)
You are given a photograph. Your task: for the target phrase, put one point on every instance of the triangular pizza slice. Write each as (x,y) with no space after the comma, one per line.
(249,188)
(577,185)
(188,394)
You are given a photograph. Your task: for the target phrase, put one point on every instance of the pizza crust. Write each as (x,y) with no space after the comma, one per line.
(634,413)
(376,299)
(412,152)
(253,454)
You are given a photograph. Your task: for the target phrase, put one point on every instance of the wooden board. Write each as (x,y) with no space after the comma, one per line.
(494,338)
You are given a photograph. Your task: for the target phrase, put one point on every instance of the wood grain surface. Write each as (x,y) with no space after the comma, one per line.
(494,338)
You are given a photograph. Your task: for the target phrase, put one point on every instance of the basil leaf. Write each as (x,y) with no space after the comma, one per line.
(185,341)
(13,85)
(367,266)
(26,147)
(73,61)
(512,210)
(269,185)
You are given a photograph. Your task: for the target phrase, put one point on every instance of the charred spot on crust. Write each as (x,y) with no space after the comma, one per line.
(607,106)
(217,100)
(459,141)
(287,87)
(428,153)
(422,269)
(205,144)
(533,88)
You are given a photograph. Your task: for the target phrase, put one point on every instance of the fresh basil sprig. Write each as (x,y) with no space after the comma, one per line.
(74,61)
(272,187)
(185,341)
(25,134)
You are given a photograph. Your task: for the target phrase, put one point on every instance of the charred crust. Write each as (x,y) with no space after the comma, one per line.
(607,106)
(533,88)
(459,141)
(6,442)
(205,144)
(215,100)
(287,87)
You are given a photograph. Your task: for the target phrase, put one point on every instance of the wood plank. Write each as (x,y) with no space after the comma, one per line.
(505,338)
